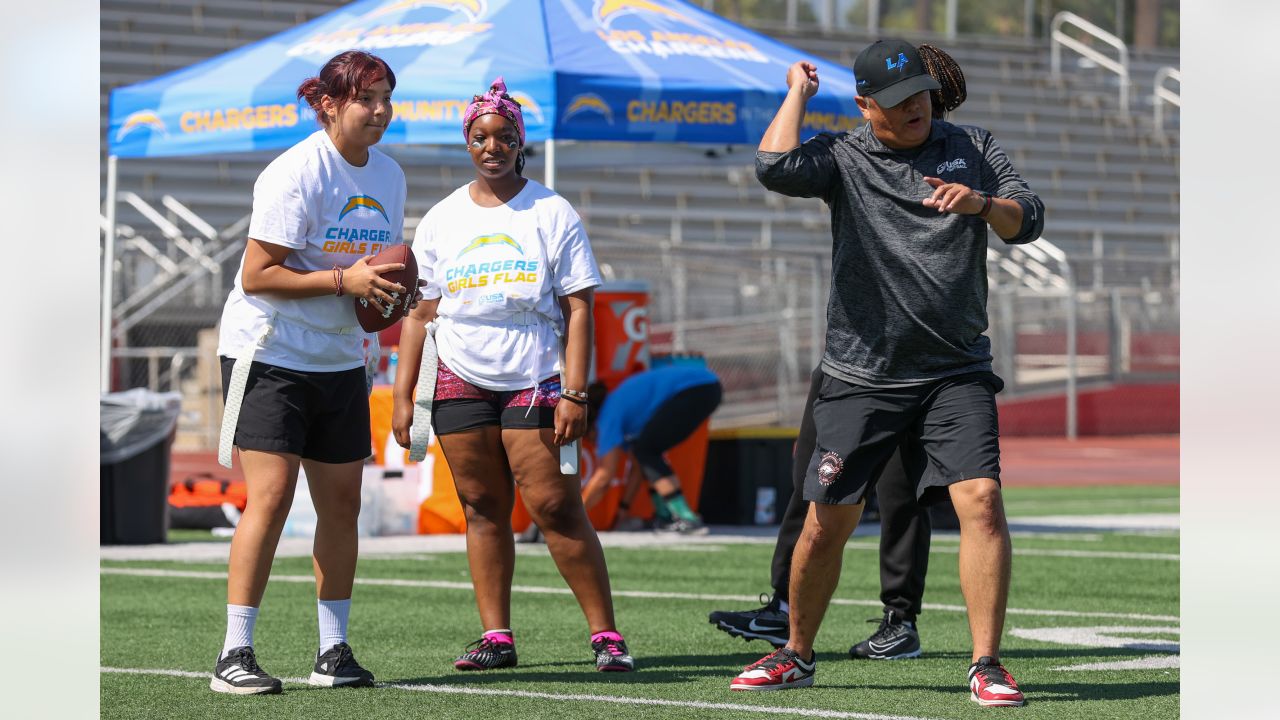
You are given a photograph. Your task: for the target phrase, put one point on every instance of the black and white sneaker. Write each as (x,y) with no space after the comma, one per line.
(896,639)
(239,674)
(682,526)
(488,653)
(611,653)
(768,623)
(338,668)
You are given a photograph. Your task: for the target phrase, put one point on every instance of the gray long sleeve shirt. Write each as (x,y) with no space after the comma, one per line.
(908,284)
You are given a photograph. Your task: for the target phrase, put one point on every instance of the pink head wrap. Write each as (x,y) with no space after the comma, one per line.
(494,102)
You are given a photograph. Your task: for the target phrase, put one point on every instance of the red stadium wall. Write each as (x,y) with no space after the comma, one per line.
(1117,410)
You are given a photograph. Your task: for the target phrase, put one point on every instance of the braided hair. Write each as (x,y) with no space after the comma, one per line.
(947,72)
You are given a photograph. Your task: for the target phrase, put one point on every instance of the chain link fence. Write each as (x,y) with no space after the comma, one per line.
(757,315)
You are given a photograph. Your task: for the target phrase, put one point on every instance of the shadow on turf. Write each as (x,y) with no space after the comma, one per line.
(650,669)
(1078,655)
(1039,692)
(1056,692)
(1074,692)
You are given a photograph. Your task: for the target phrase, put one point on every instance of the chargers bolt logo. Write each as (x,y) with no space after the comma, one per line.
(487,240)
(473,9)
(528,105)
(588,102)
(363,201)
(142,118)
(607,10)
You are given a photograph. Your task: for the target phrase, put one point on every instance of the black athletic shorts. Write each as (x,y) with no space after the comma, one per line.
(948,430)
(673,421)
(321,416)
(459,405)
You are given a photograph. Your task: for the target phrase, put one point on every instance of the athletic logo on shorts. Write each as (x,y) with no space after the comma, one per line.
(830,467)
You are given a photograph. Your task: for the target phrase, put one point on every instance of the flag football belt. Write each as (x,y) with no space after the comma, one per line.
(420,430)
(240,378)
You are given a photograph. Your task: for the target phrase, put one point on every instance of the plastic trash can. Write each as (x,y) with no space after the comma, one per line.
(135,435)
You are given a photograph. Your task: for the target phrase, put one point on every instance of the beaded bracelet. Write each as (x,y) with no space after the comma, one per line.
(578,394)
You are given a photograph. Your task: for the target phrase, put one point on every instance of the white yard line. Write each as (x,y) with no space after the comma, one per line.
(538,590)
(1047,526)
(1113,523)
(1150,662)
(567,697)
(1043,552)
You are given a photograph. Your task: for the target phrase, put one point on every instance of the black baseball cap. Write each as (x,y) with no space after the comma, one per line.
(890,71)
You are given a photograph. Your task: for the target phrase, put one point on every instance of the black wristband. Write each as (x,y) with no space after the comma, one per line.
(573,400)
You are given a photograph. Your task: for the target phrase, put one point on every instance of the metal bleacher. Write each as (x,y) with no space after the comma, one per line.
(1101,173)
(1110,182)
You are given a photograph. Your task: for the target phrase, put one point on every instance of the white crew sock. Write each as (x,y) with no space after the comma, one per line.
(333,622)
(240,622)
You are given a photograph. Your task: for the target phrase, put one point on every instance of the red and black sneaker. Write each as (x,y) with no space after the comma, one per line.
(778,670)
(991,685)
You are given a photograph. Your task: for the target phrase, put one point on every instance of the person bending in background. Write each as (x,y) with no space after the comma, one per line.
(646,415)
(906,358)
(293,365)
(510,271)
(905,525)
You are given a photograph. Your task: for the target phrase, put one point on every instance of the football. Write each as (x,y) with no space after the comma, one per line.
(372,320)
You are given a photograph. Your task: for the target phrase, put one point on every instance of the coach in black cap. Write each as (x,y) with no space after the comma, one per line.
(906,361)
(890,71)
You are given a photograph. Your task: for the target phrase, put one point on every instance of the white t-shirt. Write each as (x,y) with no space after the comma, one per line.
(498,272)
(328,212)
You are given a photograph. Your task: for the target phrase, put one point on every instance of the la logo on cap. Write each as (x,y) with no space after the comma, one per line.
(902,60)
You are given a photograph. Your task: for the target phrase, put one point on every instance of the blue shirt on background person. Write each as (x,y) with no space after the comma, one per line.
(630,406)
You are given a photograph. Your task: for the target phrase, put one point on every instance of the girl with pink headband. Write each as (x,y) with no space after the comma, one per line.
(498,351)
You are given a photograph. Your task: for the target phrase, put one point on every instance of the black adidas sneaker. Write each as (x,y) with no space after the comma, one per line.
(239,674)
(338,668)
(895,639)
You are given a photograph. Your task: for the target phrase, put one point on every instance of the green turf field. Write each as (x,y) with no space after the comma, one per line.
(1078,597)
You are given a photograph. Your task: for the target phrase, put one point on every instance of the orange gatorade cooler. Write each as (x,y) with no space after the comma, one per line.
(622,330)
(621,349)
(621,315)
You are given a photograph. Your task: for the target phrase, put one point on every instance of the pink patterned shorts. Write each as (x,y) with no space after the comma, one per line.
(459,405)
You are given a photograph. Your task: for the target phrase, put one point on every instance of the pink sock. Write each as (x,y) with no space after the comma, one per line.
(501,636)
(606,635)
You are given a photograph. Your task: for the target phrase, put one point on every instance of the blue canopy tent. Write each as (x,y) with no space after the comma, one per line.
(619,70)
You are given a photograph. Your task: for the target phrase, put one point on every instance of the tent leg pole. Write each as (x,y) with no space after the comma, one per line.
(108,274)
(549,170)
